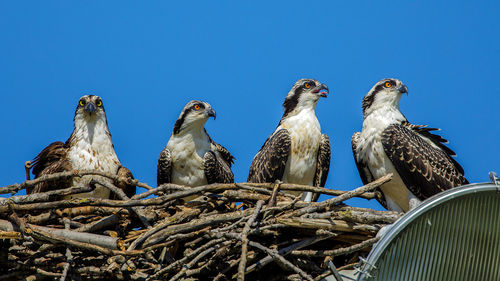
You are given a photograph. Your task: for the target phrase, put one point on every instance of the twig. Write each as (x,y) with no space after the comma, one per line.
(69,257)
(89,238)
(72,174)
(123,196)
(100,224)
(187,257)
(356,192)
(336,252)
(195,260)
(169,221)
(27,168)
(332,225)
(299,187)
(160,189)
(244,241)
(277,257)
(272,200)
(196,224)
(45,196)
(287,250)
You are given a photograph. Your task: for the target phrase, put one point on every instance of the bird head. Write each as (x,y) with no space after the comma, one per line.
(304,94)
(194,115)
(385,93)
(90,107)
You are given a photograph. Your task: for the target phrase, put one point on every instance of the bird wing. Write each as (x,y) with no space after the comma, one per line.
(269,163)
(322,164)
(217,170)
(421,159)
(363,170)
(52,159)
(164,168)
(128,189)
(217,164)
(221,150)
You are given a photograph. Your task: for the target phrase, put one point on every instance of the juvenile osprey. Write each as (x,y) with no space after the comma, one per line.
(88,148)
(296,152)
(191,157)
(421,163)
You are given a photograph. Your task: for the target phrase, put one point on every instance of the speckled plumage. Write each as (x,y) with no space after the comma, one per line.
(296,152)
(421,164)
(88,148)
(191,157)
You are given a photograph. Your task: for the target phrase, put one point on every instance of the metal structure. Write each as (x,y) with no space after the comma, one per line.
(454,235)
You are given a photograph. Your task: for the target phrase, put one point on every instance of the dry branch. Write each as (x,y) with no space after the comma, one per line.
(231,231)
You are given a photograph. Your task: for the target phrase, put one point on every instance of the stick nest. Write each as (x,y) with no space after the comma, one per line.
(223,232)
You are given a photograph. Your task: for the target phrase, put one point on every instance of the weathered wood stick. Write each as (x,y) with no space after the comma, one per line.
(238,195)
(72,174)
(177,263)
(244,241)
(100,224)
(299,187)
(348,195)
(353,215)
(45,196)
(274,254)
(139,212)
(10,235)
(100,240)
(336,252)
(165,223)
(43,235)
(285,251)
(332,225)
(195,225)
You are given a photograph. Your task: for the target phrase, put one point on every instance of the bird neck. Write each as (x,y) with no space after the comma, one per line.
(92,130)
(195,129)
(306,117)
(381,102)
(381,116)
(304,108)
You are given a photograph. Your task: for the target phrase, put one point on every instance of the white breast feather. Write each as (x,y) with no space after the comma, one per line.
(305,132)
(371,151)
(92,149)
(187,151)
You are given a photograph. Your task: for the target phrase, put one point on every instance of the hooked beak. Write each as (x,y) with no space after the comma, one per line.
(319,88)
(403,89)
(90,108)
(211,113)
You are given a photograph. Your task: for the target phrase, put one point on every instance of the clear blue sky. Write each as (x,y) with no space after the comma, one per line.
(147,59)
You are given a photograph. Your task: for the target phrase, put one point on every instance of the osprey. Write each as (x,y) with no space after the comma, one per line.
(296,152)
(88,148)
(191,157)
(421,163)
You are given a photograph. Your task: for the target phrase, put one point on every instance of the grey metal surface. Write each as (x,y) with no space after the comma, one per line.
(454,235)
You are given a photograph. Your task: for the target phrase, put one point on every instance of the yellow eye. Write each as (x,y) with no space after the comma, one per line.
(388,84)
(197,106)
(307,85)
(82,103)
(99,103)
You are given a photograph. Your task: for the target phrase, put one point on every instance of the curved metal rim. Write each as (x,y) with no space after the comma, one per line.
(427,205)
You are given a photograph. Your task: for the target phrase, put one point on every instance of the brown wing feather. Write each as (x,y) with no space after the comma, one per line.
(269,163)
(322,164)
(128,189)
(52,159)
(164,167)
(425,169)
(363,170)
(221,151)
(217,170)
